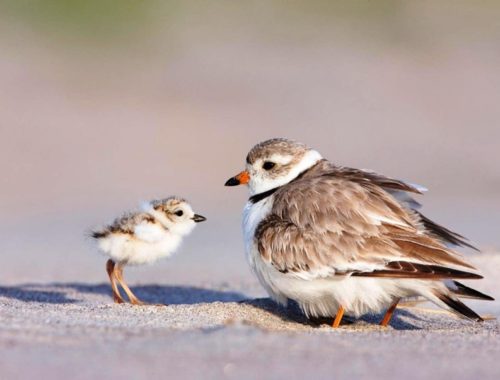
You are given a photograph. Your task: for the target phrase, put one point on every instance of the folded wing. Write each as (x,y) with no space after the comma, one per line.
(346,221)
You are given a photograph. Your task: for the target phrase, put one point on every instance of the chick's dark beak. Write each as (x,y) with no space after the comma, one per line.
(241,179)
(198,218)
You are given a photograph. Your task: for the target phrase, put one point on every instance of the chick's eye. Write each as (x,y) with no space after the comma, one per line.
(179,213)
(268,165)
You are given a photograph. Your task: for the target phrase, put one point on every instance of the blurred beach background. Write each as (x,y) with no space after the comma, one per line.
(105,103)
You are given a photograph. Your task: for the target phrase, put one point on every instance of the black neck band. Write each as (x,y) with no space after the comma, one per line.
(258,197)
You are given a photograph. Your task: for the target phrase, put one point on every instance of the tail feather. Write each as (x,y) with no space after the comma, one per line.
(444,234)
(459,307)
(461,290)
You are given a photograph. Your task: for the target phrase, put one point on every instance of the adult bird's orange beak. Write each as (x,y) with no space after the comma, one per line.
(241,179)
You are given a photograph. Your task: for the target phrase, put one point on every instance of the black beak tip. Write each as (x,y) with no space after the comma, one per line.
(232,182)
(199,218)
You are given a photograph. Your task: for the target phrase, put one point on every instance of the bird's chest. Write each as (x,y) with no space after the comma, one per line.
(253,214)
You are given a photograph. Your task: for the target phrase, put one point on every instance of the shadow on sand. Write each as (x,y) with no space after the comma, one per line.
(293,313)
(66,293)
(71,293)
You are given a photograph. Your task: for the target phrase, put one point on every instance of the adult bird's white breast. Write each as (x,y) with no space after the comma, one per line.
(253,214)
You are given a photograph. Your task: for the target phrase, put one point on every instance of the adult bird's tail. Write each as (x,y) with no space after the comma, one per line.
(450,299)
(462,291)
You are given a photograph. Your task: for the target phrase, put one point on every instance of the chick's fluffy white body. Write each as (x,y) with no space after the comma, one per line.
(144,237)
(144,248)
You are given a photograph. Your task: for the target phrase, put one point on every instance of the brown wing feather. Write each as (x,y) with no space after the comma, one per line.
(443,233)
(406,269)
(424,248)
(390,184)
(325,223)
(124,224)
(364,176)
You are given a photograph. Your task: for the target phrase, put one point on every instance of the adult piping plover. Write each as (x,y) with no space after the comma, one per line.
(144,237)
(336,239)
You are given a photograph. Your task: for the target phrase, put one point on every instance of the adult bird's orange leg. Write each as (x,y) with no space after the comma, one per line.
(338,317)
(389,313)
(131,296)
(110,269)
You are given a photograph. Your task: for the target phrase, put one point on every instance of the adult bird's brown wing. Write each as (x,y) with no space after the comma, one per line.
(403,192)
(328,223)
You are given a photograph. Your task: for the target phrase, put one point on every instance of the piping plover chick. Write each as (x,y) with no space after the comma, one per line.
(336,239)
(143,237)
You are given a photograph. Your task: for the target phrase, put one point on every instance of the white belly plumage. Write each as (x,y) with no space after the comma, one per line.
(123,248)
(323,296)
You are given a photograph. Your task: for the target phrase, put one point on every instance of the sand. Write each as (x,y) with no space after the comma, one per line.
(90,128)
(72,330)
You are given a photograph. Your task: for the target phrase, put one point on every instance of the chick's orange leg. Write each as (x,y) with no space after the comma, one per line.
(110,269)
(131,296)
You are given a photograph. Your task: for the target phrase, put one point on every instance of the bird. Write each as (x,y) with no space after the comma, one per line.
(143,237)
(338,240)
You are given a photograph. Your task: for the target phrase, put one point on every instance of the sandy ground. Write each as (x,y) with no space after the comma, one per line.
(90,125)
(73,330)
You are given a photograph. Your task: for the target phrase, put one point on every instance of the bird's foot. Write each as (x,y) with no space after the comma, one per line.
(137,302)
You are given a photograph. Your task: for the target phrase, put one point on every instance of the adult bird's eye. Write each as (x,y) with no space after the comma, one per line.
(179,213)
(268,165)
